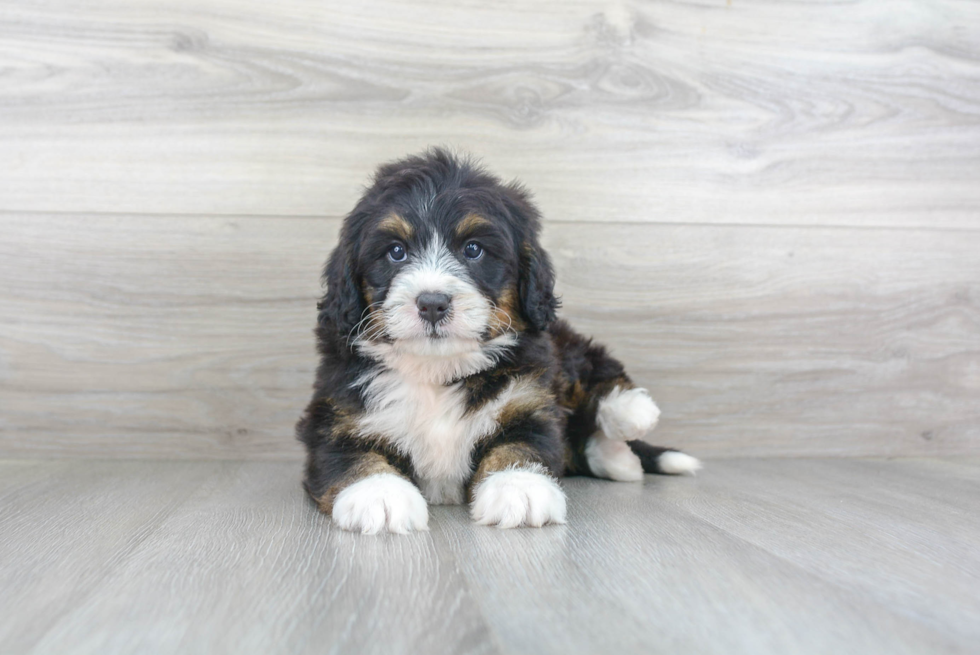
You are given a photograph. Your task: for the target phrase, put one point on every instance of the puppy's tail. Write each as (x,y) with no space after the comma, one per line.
(665,461)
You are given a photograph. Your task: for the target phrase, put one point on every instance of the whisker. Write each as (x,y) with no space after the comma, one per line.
(496,310)
(373,330)
(357,325)
(365,315)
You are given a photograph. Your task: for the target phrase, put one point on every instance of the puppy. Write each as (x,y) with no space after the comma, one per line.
(445,375)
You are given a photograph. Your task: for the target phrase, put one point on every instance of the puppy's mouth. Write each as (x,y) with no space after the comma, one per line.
(440,330)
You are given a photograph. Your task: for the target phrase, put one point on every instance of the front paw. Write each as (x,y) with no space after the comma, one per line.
(383,501)
(627,414)
(516,497)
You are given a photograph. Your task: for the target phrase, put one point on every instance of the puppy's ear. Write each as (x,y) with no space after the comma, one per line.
(536,277)
(343,303)
(536,286)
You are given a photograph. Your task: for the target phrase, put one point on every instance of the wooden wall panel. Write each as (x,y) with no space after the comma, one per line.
(770,209)
(729,111)
(179,337)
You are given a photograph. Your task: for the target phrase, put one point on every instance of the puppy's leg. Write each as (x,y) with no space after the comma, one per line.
(625,412)
(611,459)
(381,501)
(361,484)
(363,491)
(609,414)
(515,484)
(624,416)
(512,489)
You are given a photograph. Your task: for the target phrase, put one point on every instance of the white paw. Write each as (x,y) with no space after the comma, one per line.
(516,497)
(383,501)
(627,414)
(612,459)
(677,463)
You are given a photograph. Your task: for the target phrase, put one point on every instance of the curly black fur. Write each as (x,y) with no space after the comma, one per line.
(432,193)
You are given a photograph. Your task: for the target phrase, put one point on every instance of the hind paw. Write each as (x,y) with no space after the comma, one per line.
(627,414)
(613,460)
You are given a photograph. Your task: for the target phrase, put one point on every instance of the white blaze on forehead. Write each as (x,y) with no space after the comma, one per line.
(434,269)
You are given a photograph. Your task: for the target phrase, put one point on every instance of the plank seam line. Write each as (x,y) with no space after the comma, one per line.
(547,221)
(443,544)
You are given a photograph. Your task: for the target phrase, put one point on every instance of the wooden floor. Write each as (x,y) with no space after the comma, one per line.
(753,556)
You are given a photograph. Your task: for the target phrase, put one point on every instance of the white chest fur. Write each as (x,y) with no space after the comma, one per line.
(428,422)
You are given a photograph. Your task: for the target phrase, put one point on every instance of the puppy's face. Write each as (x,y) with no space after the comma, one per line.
(431,279)
(437,258)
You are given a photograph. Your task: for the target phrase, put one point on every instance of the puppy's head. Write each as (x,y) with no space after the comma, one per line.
(438,257)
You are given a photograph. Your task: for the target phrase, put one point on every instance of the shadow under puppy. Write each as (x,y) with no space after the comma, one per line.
(446,376)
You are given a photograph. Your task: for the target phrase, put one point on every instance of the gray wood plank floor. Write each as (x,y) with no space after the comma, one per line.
(753,556)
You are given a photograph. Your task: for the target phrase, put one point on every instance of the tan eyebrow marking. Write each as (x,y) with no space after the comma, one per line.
(397,225)
(469,223)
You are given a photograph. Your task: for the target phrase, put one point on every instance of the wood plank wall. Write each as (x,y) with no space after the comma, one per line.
(770,210)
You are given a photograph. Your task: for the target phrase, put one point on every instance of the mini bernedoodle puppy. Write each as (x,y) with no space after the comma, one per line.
(446,376)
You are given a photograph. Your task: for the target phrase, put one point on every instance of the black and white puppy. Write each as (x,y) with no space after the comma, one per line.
(446,376)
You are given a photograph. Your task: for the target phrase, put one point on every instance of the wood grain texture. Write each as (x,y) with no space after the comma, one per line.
(194,334)
(638,569)
(246,565)
(185,337)
(65,525)
(810,112)
(917,517)
(753,556)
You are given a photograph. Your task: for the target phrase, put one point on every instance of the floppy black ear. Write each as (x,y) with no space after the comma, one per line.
(536,277)
(536,286)
(343,303)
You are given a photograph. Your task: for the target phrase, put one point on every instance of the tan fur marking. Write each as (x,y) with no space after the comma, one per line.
(469,223)
(528,403)
(344,422)
(506,314)
(368,464)
(574,396)
(396,225)
(498,459)
(367,292)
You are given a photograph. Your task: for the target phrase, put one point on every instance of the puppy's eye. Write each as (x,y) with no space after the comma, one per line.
(396,253)
(473,250)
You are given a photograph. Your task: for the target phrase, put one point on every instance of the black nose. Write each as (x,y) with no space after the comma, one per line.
(433,306)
